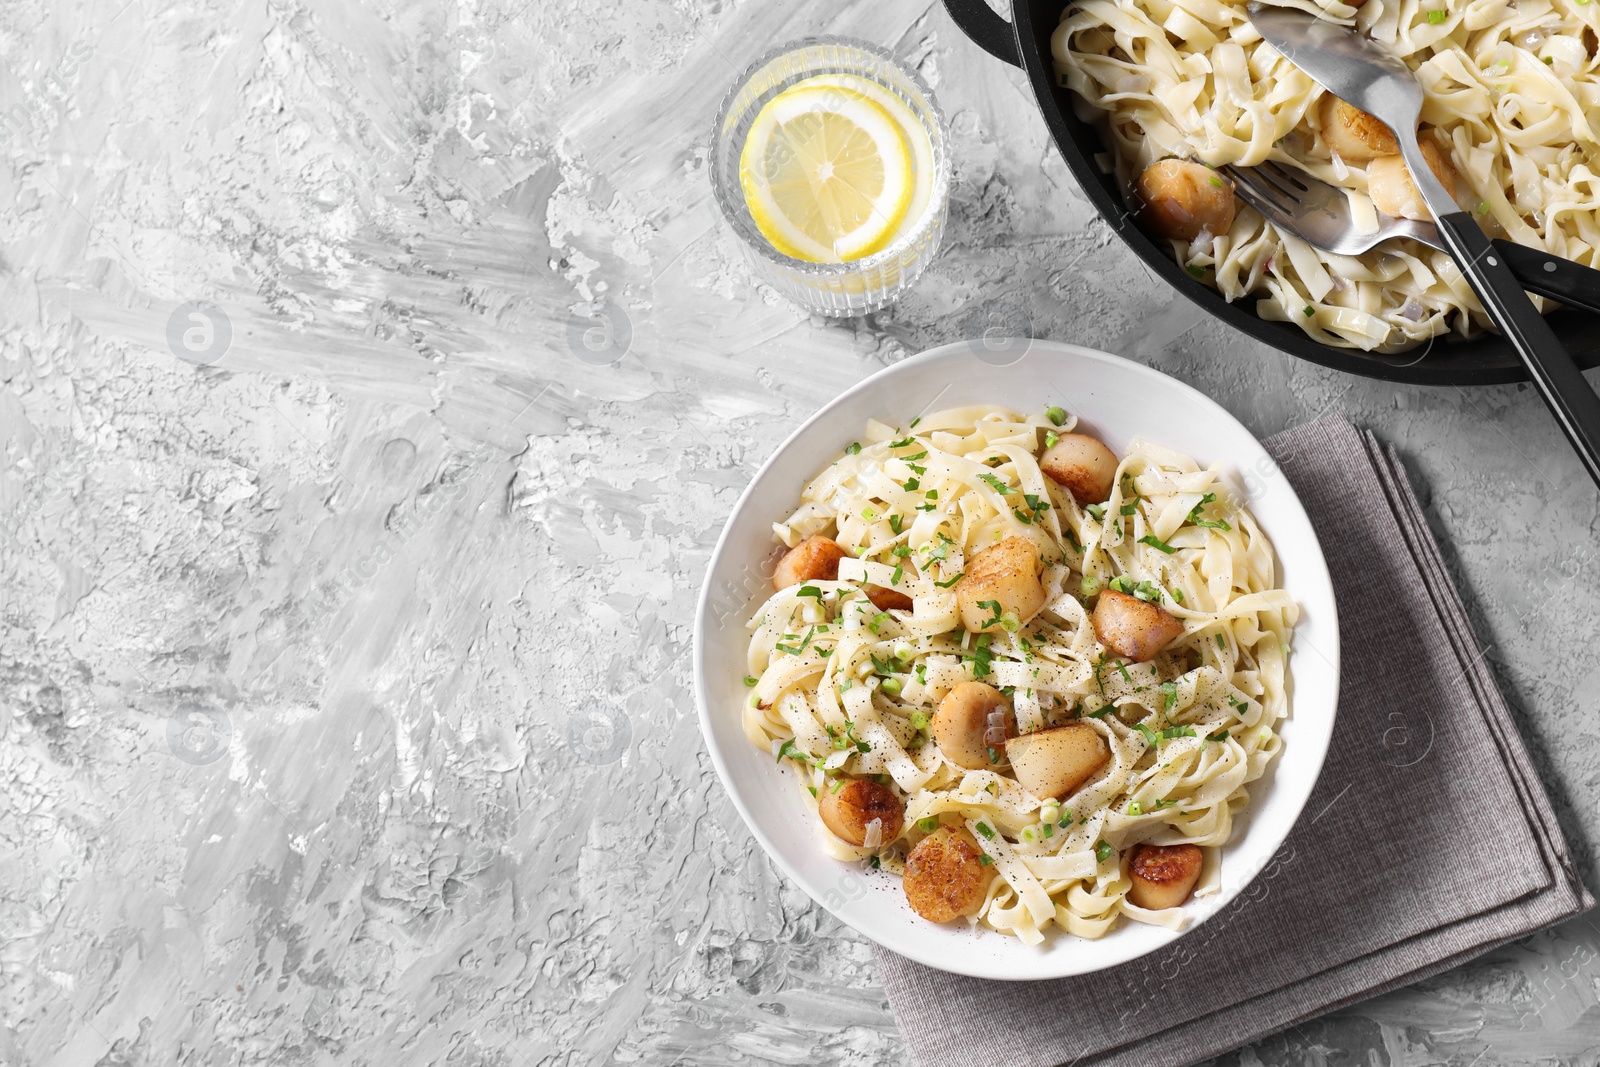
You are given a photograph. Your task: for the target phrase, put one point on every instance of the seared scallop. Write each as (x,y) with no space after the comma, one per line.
(850,811)
(1081,465)
(1180,199)
(1353,133)
(888,599)
(1163,876)
(972,725)
(1132,628)
(945,876)
(1395,193)
(812,560)
(1004,576)
(1053,763)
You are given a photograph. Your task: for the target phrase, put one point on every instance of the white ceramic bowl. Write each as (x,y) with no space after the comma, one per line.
(1116,400)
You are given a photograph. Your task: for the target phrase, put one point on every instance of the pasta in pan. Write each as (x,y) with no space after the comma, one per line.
(1032,678)
(1509,86)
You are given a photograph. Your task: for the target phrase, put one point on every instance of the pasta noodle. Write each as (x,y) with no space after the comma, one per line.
(842,690)
(1508,85)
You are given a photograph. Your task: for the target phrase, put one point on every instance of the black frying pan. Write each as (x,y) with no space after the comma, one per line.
(1025,42)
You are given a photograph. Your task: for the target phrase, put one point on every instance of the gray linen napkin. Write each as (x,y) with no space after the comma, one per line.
(1427,841)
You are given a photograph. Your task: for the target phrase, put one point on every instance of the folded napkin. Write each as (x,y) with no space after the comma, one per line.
(1427,841)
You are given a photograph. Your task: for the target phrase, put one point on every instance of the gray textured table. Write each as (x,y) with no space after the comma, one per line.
(376,378)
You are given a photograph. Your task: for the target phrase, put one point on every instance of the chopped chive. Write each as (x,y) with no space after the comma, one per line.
(1135,808)
(1102,850)
(899,572)
(891,686)
(853,448)
(983,828)
(1435,18)
(1156,543)
(919,720)
(1055,414)
(953,581)
(1196,271)
(1051,439)
(785,751)
(813,789)
(749,681)
(1220,735)
(1310,311)
(895,523)
(915,421)
(995,483)
(928,825)
(1216,181)
(1089,586)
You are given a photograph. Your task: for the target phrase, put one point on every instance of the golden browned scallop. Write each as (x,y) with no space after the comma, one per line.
(1006,574)
(1132,628)
(964,729)
(848,811)
(1395,194)
(888,599)
(1163,876)
(1082,466)
(1055,762)
(1353,133)
(814,559)
(1179,199)
(945,877)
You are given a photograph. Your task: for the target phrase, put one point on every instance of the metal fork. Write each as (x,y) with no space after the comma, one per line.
(1319,214)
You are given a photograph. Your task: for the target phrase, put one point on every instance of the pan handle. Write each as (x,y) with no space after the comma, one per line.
(988,30)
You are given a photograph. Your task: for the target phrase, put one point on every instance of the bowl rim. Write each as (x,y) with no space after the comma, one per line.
(703,609)
(943,169)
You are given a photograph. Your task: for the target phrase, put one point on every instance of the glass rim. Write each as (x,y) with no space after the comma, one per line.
(895,248)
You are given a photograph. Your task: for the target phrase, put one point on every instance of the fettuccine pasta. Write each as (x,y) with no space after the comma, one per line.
(1509,86)
(857,665)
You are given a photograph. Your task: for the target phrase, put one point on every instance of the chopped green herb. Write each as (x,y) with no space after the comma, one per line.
(1022,516)
(1051,439)
(1310,311)
(1055,415)
(1435,18)
(953,581)
(891,686)
(1177,731)
(1177,594)
(1217,182)
(1096,511)
(878,620)
(813,789)
(904,442)
(1148,734)
(853,448)
(1551,60)
(985,859)
(983,828)
(1222,642)
(899,572)
(869,513)
(928,825)
(1049,830)
(911,485)
(810,590)
(900,551)
(1156,543)
(895,523)
(1129,508)
(1065,820)
(931,494)
(994,757)
(1122,669)
(874,862)
(915,421)
(1135,808)
(1163,803)
(1220,735)
(1195,519)
(912,459)
(1102,850)
(1195,270)
(749,681)
(994,606)
(981,657)
(1089,586)
(995,483)
(1169,695)
(919,720)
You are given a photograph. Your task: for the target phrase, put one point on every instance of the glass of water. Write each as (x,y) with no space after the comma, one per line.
(853,68)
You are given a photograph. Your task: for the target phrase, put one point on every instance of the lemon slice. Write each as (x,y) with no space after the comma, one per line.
(827,174)
(916,132)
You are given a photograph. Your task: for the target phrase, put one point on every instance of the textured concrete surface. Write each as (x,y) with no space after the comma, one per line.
(346,615)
